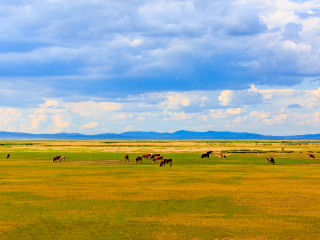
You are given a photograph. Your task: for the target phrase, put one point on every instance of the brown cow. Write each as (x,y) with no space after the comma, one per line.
(155,159)
(126,157)
(222,156)
(164,161)
(146,155)
(56,158)
(63,158)
(270,160)
(8,155)
(152,155)
(138,159)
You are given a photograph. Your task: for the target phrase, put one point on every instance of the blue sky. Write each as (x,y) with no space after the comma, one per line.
(113,66)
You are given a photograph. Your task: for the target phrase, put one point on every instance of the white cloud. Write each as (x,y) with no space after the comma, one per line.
(60,121)
(35,120)
(134,43)
(176,100)
(91,125)
(128,128)
(97,109)
(120,116)
(236,111)
(152,111)
(218,113)
(178,116)
(240,119)
(50,103)
(241,97)
(259,114)
(278,119)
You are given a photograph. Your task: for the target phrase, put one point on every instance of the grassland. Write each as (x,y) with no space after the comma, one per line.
(95,194)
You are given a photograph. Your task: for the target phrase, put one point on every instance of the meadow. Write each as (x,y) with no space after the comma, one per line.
(95,194)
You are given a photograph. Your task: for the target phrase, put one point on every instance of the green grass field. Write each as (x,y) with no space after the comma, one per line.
(95,194)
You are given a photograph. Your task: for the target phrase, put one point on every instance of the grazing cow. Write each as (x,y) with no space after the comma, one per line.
(205,155)
(270,160)
(310,156)
(126,157)
(156,158)
(222,156)
(56,158)
(146,155)
(209,152)
(282,149)
(8,155)
(138,159)
(164,161)
(152,155)
(63,158)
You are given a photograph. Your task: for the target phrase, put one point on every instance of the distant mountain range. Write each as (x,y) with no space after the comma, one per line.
(179,135)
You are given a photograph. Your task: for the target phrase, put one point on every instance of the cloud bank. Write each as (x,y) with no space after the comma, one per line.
(86,66)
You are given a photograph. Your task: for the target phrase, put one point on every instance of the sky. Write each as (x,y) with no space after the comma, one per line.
(100,66)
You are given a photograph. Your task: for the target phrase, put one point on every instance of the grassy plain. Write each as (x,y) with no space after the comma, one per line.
(95,194)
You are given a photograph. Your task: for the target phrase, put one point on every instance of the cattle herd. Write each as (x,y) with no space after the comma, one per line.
(156,156)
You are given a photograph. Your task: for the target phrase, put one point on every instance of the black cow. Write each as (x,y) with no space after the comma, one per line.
(205,155)
(310,156)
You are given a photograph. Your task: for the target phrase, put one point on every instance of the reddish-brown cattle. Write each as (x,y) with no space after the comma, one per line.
(126,157)
(146,155)
(166,161)
(8,155)
(56,158)
(155,159)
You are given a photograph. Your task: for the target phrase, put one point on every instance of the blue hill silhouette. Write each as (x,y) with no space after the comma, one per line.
(179,135)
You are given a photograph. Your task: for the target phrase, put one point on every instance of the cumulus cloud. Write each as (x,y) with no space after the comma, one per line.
(312,105)
(35,120)
(240,119)
(236,111)
(91,125)
(178,45)
(128,128)
(244,21)
(291,31)
(307,14)
(241,97)
(60,121)
(120,116)
(178,116)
